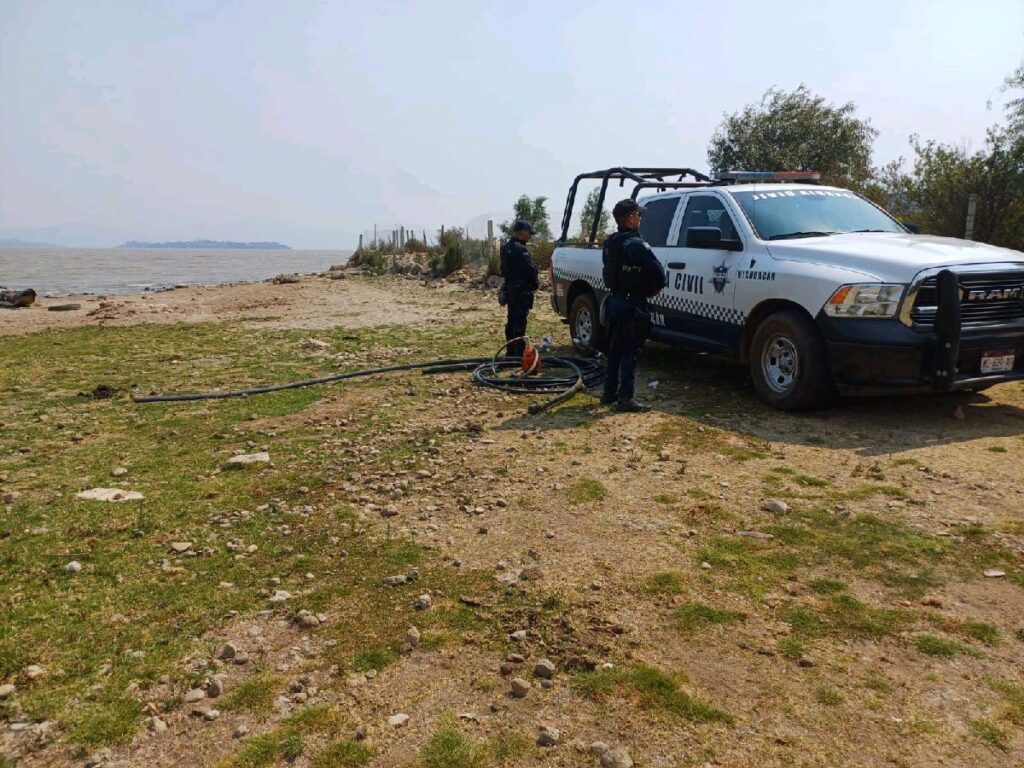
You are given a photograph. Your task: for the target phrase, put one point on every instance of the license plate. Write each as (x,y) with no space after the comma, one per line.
(997,361)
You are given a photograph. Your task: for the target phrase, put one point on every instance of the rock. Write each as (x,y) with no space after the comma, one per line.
(520,687)
(519,635)
(597,748)
(108,494)
(412,637)
(244,460)
(545,669)
(240,731)
(994,573)
(399,720)
(361,733)
(506,668)
(181,546)
(156,725)
(958,413)
(546,684)
(805,661)
(775,506)
(755,535)
(241,658)
(396,580)
(34,672)
(73,567)
(307,620)
(932,601)
(315,344)
(279,596)
(215,687)
(705,566)
(196,694)
(548,737)
(616,758)
(211,714)
(227,652)
(119,471)
(423,602)
(6,691)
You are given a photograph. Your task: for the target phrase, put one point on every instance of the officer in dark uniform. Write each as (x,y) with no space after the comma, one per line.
(632,274)
(520,275)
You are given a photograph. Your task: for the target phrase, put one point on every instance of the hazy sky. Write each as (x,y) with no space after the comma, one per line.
(308,122)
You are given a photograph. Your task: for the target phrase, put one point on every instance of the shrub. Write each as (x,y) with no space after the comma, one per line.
(454,260)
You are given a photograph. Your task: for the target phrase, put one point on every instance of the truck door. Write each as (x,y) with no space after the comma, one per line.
(702,289)
(656,226)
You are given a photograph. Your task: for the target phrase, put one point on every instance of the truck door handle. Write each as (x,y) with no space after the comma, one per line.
(677,265)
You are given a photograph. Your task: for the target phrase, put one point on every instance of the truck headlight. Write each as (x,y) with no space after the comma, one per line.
(865,300)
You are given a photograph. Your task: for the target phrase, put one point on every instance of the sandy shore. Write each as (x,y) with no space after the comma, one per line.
(311,302)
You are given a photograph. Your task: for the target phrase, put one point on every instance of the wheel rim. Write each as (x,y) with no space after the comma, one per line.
(584,326)
(780,363)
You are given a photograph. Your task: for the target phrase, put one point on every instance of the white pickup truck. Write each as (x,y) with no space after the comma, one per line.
(822,291)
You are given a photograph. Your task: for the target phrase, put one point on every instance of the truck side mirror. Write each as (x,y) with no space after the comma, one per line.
(711,239)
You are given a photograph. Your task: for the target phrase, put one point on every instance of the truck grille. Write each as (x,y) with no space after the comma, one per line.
(992,298)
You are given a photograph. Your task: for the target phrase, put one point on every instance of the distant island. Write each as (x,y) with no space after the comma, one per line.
(15,243)
(209,245)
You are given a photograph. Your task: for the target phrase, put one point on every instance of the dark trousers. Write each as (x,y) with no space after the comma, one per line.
(515,325)
(623,352)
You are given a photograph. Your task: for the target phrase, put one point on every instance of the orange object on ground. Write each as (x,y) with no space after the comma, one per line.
(531,360)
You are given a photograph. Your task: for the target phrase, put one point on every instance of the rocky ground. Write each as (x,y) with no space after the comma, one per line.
(411,571)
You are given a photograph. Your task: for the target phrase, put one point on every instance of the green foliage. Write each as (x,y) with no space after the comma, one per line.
(493,264)
(691,617)
(450,748)
(828,696)
(796,131)
(415,245)
(662,583)
(654,690)
(587,217)
(585,489)
(990,734)
(343,754)
(533,210)
(941,647)
(454,258)
(541,251)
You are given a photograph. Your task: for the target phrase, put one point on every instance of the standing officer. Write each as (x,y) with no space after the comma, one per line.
(633,274)
(520,275)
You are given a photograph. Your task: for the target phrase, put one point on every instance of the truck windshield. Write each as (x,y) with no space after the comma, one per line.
(793,213)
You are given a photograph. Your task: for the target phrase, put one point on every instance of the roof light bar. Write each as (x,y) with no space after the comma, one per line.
(741,176)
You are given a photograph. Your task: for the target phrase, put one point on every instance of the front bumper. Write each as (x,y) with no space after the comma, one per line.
(885,355)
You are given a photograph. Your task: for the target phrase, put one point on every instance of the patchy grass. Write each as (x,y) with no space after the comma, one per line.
(586,490)
(791,647)
(1013,696)
(690,618)
(448,747)
(941,647)
(651,689)
(827,586)
(342,754)
(989,733)
(662,583)
(254,694)
(828,696)
(665,498)
(511,748)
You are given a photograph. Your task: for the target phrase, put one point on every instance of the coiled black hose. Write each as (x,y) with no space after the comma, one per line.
(575,374)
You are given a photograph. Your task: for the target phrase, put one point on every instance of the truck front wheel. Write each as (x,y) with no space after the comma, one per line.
(789,363)
(585,324)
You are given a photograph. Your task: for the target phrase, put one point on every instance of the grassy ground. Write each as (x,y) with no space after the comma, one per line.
(670,601)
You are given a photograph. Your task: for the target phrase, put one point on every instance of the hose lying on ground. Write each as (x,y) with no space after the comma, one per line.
(505,375)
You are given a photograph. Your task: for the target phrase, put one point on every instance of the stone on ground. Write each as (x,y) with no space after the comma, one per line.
(108,494)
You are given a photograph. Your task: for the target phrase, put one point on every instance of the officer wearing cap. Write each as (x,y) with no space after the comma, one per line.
(520,275)
(632,274)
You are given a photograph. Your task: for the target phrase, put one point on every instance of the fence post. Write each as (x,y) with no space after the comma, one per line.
(972,206)
(360,242)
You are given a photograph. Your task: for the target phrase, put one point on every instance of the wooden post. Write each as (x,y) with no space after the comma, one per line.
(490,236)
(374,235)
(972,207)
(360,242)
(401,238)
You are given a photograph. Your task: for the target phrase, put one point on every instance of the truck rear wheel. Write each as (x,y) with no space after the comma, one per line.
(789,363)
(585,324)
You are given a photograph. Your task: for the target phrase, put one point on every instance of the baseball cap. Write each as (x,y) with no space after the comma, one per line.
(520,225)
(626,207)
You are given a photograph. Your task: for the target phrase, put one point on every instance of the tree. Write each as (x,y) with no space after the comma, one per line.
(935,192)
(587,216)
(533,210)
(796,131)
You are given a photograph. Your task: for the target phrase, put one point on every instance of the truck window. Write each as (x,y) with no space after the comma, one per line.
(706,211)
(655,223)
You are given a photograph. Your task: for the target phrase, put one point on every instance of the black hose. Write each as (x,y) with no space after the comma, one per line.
(582,373)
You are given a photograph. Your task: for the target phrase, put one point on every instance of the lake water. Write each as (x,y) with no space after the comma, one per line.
(68,271)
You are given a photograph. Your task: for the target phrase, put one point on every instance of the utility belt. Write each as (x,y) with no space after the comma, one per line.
(626,315)
(515,292)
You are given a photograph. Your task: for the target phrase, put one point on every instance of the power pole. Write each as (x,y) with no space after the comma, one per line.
(374,235)
(972,206)
(401,238)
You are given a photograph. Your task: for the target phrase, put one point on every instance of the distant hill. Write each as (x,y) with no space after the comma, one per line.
(209,245)
(15,243)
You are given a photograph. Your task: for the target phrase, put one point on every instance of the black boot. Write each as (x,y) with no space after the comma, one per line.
(631,406)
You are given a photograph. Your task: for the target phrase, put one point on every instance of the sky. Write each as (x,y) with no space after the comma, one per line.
(307,123)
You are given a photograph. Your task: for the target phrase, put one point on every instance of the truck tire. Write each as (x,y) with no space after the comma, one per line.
(789,363)
(585,325)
